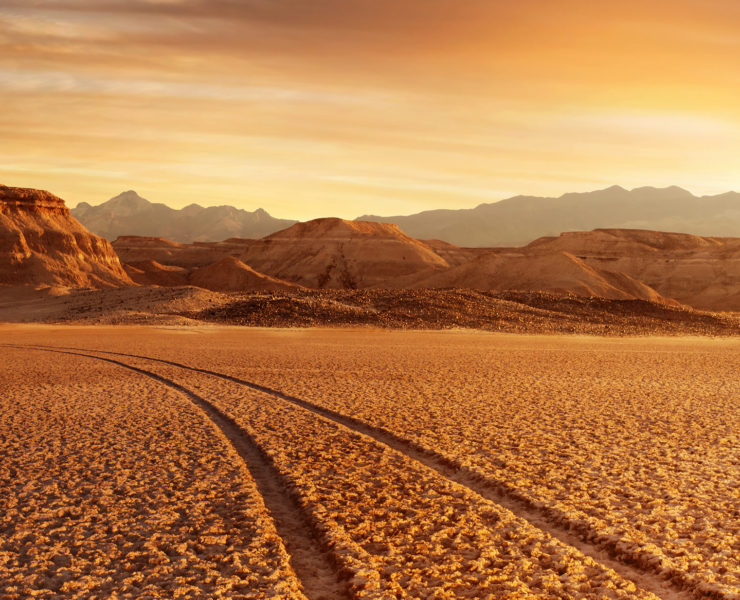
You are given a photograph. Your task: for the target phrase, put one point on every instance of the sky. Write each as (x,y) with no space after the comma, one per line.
(312,108)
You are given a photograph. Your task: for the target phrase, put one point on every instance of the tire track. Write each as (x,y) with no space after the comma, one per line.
(607,554)
(312,565)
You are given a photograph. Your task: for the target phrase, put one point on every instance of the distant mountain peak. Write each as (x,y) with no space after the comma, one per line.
(127,195)
(130,214)
(521,219)
(129,200)
(672,190)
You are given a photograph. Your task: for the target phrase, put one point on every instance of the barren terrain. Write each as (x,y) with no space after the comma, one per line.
(515,312)
(211,461)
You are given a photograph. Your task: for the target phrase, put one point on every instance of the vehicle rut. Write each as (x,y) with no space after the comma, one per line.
(499,492)
(313,566)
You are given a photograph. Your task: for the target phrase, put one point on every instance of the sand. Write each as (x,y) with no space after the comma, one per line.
(421,464)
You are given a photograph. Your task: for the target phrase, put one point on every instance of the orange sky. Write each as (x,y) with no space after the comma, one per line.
(342,107)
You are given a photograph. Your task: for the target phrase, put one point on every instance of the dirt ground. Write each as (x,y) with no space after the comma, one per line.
(224,462)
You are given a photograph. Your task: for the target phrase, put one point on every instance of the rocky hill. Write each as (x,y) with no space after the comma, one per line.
(41,244)
(703,272)
(132,249)
(338,254)
(553,272)
(619,264)
(130,214)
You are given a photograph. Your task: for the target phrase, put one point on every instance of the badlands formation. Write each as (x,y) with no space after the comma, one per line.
(319,254)
(333,253)
(41,244)
(309,273)
(703,272)
(618,264)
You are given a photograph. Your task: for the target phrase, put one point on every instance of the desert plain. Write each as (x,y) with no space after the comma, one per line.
(223,462)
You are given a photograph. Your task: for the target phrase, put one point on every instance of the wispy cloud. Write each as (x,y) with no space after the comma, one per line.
(337,103)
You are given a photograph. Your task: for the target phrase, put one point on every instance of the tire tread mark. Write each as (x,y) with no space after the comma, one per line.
(313,565)
(607,553)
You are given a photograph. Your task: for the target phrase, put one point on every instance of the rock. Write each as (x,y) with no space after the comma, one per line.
(41,244)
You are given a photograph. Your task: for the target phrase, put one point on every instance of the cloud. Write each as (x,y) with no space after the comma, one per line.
(411,99)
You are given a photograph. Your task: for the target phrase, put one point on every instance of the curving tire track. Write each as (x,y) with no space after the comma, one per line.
(584,539)
(313,566)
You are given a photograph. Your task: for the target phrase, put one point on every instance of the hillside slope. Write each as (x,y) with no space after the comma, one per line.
(553,272)
(333,253)
(703,272)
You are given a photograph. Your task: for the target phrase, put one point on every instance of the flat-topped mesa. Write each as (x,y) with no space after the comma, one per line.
(41,244)
(30,199)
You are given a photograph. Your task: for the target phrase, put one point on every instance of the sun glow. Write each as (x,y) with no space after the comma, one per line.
(348,108)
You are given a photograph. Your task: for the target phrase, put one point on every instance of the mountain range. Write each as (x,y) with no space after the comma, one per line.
(512,222)
(130,214)
(522,219)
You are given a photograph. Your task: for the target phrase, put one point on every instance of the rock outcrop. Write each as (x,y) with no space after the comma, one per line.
(133,248)
(41,244)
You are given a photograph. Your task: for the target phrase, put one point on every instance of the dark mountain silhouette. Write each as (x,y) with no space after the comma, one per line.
(522,219)
(130,214)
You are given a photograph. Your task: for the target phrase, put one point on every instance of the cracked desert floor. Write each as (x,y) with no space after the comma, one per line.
(217,462)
